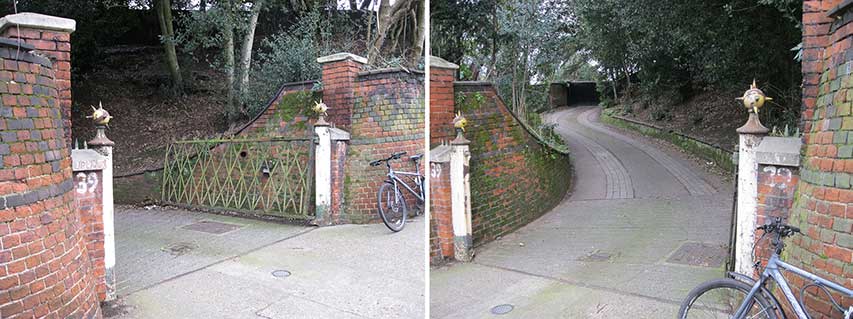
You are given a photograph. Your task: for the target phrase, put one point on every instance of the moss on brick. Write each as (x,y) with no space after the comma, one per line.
(514,178)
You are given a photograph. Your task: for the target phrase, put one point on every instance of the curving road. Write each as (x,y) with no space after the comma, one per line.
(643,225)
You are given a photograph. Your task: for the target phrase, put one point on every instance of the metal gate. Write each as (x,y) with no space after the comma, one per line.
(271,176)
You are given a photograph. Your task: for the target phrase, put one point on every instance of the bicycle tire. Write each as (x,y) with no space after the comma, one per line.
(394,216)
(689,309)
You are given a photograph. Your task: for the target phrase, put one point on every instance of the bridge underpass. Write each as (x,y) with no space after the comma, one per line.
(643,225)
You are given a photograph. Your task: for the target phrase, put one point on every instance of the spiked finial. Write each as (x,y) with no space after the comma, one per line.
(99,115)
(320,108)
(460,121)
(753,99)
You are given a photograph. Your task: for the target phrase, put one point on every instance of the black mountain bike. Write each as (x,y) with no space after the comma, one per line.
(391,202)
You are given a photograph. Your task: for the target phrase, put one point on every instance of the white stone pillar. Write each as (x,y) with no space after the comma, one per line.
(104,146)
(751,135)
(460,189)
(323,171)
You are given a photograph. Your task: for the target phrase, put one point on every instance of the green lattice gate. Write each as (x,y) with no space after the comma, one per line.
(272,176)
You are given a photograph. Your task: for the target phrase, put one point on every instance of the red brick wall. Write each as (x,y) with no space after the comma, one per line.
(339,159)
(57,46)
(514,178)
(441,110)
(441,223)
(88,198)
(45,269)
(339,90)
(822,208)
(387,117)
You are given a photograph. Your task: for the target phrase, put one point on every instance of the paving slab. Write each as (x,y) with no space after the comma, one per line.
(153,245)
(479,288)
(350,271)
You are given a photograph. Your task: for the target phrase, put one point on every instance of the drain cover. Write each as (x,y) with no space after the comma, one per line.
(699,254)
(178,249)
(212,227)
(281,273)
(502,309)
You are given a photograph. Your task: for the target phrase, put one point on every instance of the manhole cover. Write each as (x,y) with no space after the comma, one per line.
(699,254)
(596,256)
(212,227)
(502,309)
(281,273)
(178,249)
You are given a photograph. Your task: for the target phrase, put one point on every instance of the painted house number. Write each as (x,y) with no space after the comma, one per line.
(86,183)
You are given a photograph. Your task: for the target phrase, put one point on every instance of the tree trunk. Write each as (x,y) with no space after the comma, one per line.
(164,15)
(231,109)
(420,32)
(246,52)
(525,80)
(386,17)
(382,25)
(614,81)
(494,60)
(513,85)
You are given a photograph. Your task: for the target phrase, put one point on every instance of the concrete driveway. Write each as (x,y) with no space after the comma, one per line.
(644,225)
(180,264)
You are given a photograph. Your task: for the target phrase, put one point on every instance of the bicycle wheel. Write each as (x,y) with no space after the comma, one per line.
(720,298)
(392,207)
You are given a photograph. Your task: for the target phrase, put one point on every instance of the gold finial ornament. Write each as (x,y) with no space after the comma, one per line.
(460,121)
(753,99)
(99,115)
(320,108)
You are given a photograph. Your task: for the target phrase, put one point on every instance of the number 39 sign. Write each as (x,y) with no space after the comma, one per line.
(86,183)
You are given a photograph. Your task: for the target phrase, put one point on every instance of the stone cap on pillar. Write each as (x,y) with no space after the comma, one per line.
(782,151)
(436,62)
(37,21)
(341,57)
(339,134)
(440,154)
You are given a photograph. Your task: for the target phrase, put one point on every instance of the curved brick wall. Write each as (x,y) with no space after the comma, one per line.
(44,266)
(821,206)
(514,178)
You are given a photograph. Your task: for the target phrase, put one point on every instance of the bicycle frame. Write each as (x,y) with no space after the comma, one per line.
(392,178)
(772,271)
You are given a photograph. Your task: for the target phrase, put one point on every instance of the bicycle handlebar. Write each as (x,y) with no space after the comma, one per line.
(392,157)
(776,226)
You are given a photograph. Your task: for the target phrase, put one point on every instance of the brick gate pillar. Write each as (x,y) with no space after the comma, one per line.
(441,99)
(751,135)
(460,156)
(51,36)
(440,205)
(329,158)
(778,161)
(322,171)
(340,71)
(104,146)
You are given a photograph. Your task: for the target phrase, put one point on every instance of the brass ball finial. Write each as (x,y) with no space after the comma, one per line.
(320,108)
(460,121)
(753,99)
(99,115)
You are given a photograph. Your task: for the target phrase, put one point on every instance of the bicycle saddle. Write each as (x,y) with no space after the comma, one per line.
(416,157)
